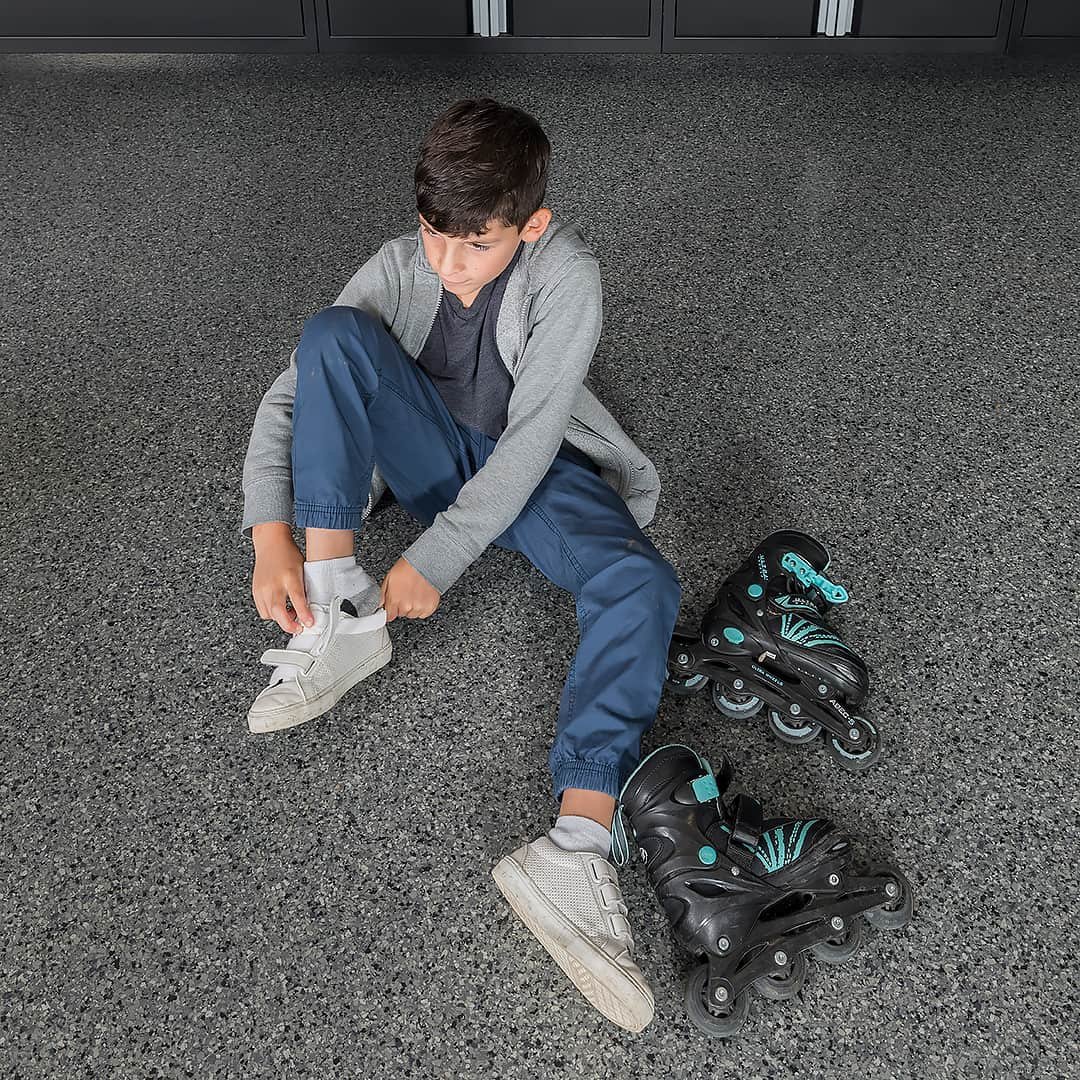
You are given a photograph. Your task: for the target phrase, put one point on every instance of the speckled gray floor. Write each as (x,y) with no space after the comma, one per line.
(839,293)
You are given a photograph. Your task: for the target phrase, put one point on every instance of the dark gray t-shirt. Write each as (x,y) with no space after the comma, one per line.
(462,360)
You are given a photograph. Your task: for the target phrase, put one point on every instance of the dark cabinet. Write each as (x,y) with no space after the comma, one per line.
(927,18)
(135,18)
(766,18)
(506,26)
(579,18)
(456,25)
(842,26)
(401,18)
(1052,18)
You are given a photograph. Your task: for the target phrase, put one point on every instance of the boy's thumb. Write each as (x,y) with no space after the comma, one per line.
(303,612)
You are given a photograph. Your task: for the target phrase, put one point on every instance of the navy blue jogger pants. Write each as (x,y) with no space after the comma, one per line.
(361,399)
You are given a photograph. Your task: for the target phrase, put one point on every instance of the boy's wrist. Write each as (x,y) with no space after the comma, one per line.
(270,532)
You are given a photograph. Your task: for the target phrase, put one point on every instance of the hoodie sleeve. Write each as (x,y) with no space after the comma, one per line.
(558,351)
(267,474)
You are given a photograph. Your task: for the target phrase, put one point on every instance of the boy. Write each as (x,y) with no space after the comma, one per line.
(451,368)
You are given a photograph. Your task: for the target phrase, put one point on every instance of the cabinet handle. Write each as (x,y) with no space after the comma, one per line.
(847,15)
(489,17)
(835,17)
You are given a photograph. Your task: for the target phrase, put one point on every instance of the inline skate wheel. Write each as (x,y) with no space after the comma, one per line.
(710,1017)
(685,685)
(896,913)
(785,982)
(789,729)
(855,757)
(842,946)
(734,705)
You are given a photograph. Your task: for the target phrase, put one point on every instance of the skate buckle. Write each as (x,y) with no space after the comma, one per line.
(705,788)
(796,564)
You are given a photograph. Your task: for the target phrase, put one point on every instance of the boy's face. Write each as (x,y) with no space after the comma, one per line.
(467,264)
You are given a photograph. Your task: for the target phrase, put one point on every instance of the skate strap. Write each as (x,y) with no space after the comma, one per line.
(746,821)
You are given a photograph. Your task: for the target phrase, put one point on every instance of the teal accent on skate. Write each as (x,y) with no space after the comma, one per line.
(733,635)
(707,855)
(835,594)
(801,838)
(803,632)
(705,788)
(794,603)
(777,849)
(755,591)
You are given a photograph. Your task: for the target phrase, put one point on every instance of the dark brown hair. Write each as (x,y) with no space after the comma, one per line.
(481,160)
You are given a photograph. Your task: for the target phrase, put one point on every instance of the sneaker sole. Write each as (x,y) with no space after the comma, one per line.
(261,723)
(590,970)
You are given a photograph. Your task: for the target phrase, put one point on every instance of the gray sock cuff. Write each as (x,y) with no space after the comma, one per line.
(574,833)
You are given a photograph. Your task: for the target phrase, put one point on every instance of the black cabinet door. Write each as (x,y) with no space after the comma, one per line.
(400,18)
(579,18)
(728,18)
(1052,18)
(525,18)
(926,18)
(136,18)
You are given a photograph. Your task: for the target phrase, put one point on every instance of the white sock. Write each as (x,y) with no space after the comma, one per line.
(323,579)
(573,833)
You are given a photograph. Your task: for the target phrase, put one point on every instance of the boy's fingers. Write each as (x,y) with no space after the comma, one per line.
(300,604)
(280,614)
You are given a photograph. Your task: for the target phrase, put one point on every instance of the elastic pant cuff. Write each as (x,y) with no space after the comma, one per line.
(317,516)
(590,775)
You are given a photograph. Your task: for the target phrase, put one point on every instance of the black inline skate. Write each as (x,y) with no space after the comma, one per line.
(764,644)
(749,898)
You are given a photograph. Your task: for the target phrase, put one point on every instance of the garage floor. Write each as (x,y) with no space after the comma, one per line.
(841,294)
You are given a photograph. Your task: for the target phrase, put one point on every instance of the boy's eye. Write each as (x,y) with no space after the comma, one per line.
(474,246)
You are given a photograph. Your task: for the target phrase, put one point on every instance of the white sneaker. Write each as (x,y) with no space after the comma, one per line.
(306,682)
(572,902)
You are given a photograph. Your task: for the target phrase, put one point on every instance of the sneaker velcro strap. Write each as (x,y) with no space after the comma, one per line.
(610,893)
(302,660)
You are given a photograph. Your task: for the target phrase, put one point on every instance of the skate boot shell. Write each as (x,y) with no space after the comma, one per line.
(763,646)
(747,897)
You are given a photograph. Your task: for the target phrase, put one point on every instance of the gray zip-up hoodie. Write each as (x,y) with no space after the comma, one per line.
(547,330)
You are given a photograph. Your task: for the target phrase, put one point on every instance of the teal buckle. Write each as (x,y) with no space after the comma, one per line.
(705,788)
(796,564)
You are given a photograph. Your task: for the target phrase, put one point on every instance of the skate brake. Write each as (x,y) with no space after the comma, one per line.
(792,561)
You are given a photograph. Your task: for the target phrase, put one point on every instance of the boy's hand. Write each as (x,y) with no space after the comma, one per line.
(279,575)
(405,591)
